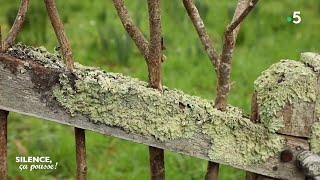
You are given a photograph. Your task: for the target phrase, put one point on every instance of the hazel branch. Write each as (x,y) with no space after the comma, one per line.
(17,25)
(60,33)
(155,45)
(133,31)
(223,88)
(201,30)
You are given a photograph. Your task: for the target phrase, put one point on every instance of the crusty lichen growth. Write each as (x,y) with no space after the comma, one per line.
(312,60)
(315,138)
(286,82)
(128,103)
(237,140)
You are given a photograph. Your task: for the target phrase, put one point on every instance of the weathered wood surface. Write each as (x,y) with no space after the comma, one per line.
(17,94)
(310,163)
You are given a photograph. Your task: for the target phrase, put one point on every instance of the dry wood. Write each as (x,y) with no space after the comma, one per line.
(133,31)
(1,43)
(80,153)
(60,33)
(18,94)
(154,55)
(224,68)
(310,163)
(3,144)
(17,25)
(202,33)
(68,59)
(154,73)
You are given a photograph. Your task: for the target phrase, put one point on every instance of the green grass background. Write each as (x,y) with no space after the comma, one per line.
(98,39)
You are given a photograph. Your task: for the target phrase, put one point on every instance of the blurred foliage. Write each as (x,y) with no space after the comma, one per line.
(98,38)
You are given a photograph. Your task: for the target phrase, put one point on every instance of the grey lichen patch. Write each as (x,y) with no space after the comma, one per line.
(311,60)
(239,141)
(315,138)
(117,100)
(38,54)
(125,102)
(286,82)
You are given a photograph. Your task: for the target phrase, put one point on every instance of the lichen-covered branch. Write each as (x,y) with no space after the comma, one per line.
(17,25)
(60,33)
(202,33)
(133,31)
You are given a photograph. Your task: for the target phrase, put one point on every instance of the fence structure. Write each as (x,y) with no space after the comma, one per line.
(279,140)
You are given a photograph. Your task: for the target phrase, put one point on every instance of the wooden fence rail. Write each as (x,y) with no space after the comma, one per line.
(284,123)
(28,86)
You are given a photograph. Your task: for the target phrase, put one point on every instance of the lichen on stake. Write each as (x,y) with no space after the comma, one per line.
(315,138)
(117,100)
(286,82)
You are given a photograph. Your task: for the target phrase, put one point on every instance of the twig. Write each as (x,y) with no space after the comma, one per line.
(154,55)
(1,43)
(156,158)
(67,56)
(242,16)
(224,69)
(3,144)
(60,33)
(154,73)
(202,33)
(17,25)
(131,28)
(212,171)
(80,153)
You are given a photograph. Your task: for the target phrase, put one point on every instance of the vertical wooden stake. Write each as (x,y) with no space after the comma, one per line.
(3,144)
(156,158)
(80,153)
(212,171)
(68,59)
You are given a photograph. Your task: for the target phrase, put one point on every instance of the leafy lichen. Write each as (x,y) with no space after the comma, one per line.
(312,60)
(237,140)
(286,82)
(315,138)
(117,100)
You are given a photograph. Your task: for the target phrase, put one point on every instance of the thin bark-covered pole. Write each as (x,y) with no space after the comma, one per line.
(156,158)
(17,25)
(68,59)
(222,63)
(153,57)
(202,33)
(3,144)
(133,31)
(80,153)
(60,33)
(224,70)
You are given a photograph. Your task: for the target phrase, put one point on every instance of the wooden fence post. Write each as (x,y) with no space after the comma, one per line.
(3,144)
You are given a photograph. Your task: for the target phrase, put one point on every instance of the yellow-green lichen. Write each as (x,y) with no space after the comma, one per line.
(286,82)
(312,60)
(117,100)
(238,140)
(315,138)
